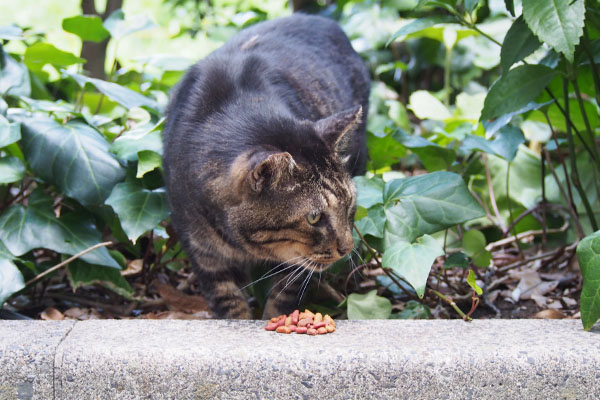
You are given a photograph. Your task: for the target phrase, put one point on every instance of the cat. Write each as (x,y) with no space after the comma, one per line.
(261,142)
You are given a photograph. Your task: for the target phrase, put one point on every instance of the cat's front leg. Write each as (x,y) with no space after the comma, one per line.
(285,294)
(220,285)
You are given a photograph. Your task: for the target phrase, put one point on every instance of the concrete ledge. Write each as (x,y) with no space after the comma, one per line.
(492,359)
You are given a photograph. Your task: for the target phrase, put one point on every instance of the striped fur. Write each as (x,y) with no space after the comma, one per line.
(262,140)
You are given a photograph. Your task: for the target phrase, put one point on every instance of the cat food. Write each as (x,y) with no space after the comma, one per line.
(303,323)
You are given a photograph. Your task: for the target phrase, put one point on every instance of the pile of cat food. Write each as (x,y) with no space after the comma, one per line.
(302,322)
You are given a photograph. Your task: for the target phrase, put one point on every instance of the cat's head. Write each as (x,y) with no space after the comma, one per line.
(295,198)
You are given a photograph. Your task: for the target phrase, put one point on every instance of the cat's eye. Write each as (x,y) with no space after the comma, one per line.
(313,217)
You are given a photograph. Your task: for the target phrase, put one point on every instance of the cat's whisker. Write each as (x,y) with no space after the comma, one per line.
(299,267)
(287,284)
(306,281)
(270,272)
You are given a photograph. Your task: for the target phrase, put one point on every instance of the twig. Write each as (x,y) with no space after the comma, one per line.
(452,304)
(474,305)
(550,254)
(522,235)
(67,261)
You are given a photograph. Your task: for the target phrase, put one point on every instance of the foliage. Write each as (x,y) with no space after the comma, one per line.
(482,136)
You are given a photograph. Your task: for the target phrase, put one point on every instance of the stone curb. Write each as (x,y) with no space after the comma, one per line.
(442,359)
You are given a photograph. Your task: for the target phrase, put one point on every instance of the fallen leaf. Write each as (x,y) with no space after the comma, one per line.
(179,301)
(549,314)
(77,313)
(177,315)
(134,267)
(52,314)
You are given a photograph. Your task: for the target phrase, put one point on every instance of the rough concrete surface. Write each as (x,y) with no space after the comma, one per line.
(451,359)
(27,353)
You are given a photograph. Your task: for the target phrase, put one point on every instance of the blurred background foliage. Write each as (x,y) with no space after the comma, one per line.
(483,160)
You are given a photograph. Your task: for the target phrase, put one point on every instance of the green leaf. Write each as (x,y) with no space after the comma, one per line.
(426,204)
(10,132)
(515,89)
(473,243)
(373,223)
(420,24)
(143,138)
(413,310)
(138,209)
(119,26)
(40,54)
(82,274)
(383,150)
(11,32)
(413,261)
(73,156)
(11,169)
(518,43)
(505,144)
(120,94)
(23,229)
(510,6)
(559,23)
(14,77)
(457,260)
(87,27)
(470,5)
(471,281)
(369,191)
(11,280)
(426,106)
(368,306)
(148,160)
(433,156)
(588,254)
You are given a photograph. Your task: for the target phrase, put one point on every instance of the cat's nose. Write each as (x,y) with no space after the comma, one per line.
(345,245)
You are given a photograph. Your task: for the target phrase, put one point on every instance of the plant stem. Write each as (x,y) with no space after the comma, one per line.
(67,261)
(510,214)
(491,189)
(588,127)
(447,65)
(574,170)
(452,304)
(586,47)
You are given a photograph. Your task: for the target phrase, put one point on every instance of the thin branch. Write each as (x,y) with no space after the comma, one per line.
(452,304)
(67,261)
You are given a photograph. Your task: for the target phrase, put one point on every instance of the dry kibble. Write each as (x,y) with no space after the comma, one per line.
(305,322)
(283,329)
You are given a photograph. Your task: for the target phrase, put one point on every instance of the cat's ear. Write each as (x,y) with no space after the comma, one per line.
(336,130)
(270,169)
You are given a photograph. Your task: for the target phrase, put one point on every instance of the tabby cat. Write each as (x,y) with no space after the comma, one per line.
(261,141)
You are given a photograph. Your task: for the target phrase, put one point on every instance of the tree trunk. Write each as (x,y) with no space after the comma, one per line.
(95,53)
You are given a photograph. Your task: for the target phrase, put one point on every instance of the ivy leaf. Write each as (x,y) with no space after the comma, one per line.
(117,93)
(426,106)
(413,260)
(11,170)
(505,144)
(40,54)
(11,32)
(588,254)
(515,89)
(82,274)
(518,43)
(119,26)
(148,160)
(87,27)
(138,209)
(73,156)
(11,280)
(373,223)
(14,77)
(142,138)
(426,204)
(558,23)
(369,191)
(473,283)
(10,132)
(368,306)
(433,156)
(420,24)
(23,229)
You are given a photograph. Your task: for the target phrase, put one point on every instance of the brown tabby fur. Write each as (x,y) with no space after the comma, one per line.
(263,136)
